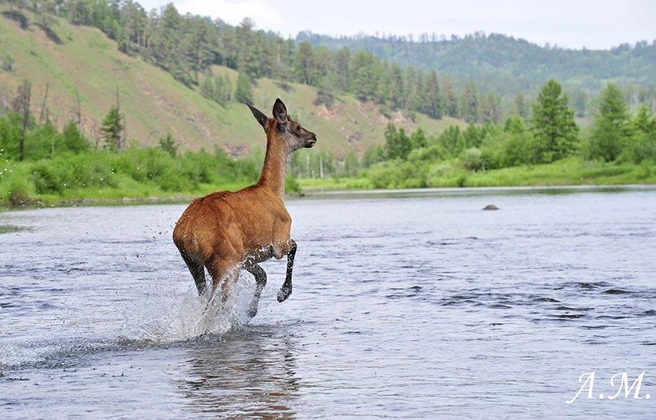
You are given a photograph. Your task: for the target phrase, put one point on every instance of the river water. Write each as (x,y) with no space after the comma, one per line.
(406,305)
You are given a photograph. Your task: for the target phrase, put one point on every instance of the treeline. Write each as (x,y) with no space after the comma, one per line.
(550,135)
(506,65)
(412,160)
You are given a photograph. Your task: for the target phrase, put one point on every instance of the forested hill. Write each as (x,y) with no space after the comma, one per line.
(79,63)
(506,65)
(185,77)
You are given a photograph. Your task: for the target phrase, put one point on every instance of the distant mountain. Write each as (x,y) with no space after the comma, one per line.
(506,65)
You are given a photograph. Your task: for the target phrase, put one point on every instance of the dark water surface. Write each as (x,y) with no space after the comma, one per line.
(417,305)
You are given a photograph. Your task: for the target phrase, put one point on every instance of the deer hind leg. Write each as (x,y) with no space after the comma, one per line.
(260,282)
(286,288)
(224,273)
(197,271)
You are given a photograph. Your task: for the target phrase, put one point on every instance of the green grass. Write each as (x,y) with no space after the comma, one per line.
(335,184)
(567,172)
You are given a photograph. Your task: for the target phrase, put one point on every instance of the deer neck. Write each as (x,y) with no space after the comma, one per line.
(274,170)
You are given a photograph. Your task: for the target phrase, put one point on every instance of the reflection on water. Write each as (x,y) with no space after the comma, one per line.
(250,372)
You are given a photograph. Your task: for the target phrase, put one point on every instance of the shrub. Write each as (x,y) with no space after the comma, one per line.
(292,185)
(472,159)
(19,191)
(428,154)
(643,148)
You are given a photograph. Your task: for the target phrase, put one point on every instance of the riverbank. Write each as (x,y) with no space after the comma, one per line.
(566,173)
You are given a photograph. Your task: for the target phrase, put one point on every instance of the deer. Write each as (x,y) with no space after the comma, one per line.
(225,232)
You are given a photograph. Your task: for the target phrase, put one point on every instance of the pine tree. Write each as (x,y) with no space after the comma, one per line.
(450,99)
(470,103)
(362,71)
(643,121)
(433,102)
(472,136)
(643,143)
(304,66)
(248,61)
(72,139)
(553,125)
(452,141)
(21,105)
(612,125)
(418,138)
(168,145)
(396,87)
(521,105)
(244,89)
(112,130)
(341,65)
(203,45)
(171,46)
(397,143)
(414,89)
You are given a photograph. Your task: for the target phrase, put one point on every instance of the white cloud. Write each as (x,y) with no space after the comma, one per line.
(233,11)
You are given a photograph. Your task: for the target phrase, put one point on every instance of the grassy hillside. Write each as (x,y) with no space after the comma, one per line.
(81,62)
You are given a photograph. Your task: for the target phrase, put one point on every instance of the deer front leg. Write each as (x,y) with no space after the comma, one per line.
(286,288)
(260,282)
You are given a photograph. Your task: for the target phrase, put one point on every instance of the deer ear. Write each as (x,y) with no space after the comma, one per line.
(259,116)
(280,112)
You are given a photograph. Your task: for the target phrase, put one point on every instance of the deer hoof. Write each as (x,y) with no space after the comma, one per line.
(252,311)
(284,293)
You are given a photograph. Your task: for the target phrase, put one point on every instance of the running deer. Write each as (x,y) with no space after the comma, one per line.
(226,232)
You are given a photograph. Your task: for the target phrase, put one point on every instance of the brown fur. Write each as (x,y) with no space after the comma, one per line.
(227,231)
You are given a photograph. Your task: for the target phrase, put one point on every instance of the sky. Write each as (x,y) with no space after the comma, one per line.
(576,24)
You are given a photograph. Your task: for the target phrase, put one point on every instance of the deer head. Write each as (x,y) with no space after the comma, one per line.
(283,126)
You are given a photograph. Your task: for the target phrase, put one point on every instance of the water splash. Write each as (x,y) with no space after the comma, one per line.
(172,315)
(16,355)
(157,315)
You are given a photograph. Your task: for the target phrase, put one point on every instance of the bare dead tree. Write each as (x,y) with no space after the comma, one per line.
(78,109)
(95,135)
(22,107)
(44,107)
(120,129)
